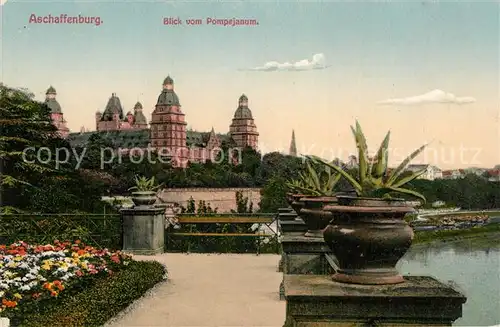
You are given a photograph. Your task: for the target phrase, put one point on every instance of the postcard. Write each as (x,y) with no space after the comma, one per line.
(347,132)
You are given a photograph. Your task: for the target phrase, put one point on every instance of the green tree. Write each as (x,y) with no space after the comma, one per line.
(26,128)
(45,184)
(273,195)
(242,203)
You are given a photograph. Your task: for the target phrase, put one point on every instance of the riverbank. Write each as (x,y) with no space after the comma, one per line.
(455,234)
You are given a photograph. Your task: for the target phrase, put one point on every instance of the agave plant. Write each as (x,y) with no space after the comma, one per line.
(143,184)
(318,182)
(373,177)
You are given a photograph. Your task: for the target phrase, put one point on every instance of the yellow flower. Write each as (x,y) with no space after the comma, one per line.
(18,296)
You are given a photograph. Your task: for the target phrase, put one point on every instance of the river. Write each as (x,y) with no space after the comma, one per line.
(473,265)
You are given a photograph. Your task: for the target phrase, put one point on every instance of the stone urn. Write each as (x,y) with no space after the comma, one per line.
(143,198)
(296,204)
(368,237)
(314,216)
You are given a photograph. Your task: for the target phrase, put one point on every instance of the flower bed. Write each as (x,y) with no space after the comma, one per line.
(33,273)
(70,284)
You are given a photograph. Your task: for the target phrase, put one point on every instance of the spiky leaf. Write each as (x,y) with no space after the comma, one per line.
(362,152)
(313,175)
(401,168)
(408,179)
(351,180)
(382,158)
(407,191)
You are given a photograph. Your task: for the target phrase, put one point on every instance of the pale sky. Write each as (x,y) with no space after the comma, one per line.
(426,71)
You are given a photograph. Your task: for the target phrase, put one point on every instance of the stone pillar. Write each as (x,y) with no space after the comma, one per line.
(314,301)
(287,226)
(293,227)
(305,256)
(143,230)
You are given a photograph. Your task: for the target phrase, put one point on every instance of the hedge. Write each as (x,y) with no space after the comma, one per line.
(99,302)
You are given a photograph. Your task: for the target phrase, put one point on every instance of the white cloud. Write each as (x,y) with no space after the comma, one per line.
(435,96)
(317,62)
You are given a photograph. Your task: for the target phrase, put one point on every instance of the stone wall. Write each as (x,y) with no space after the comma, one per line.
(222,198)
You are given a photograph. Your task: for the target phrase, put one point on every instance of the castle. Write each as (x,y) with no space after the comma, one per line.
(167,133)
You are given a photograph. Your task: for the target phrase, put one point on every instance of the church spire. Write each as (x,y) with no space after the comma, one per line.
(293,146)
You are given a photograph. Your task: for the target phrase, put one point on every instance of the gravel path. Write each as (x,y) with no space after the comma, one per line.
(211,290)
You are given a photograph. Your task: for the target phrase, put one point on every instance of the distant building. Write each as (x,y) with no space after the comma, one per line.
(56,112)
(494,175)
(168,133)
(242,129)
(352,162)
(454,174)
(113,119)
(481,172)
(431,172)
(293,146)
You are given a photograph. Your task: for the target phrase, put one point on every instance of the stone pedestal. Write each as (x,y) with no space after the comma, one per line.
(314,301)
(295,227)
(143,230)
(286,216)
(285,210)
(304,255)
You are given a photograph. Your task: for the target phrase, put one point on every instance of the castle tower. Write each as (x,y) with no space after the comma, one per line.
(168,125)
(56,112)
(112,116)
(130,118)
(243,129)
(293,146)
(140,121)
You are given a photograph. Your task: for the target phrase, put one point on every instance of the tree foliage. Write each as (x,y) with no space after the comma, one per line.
(31,179)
